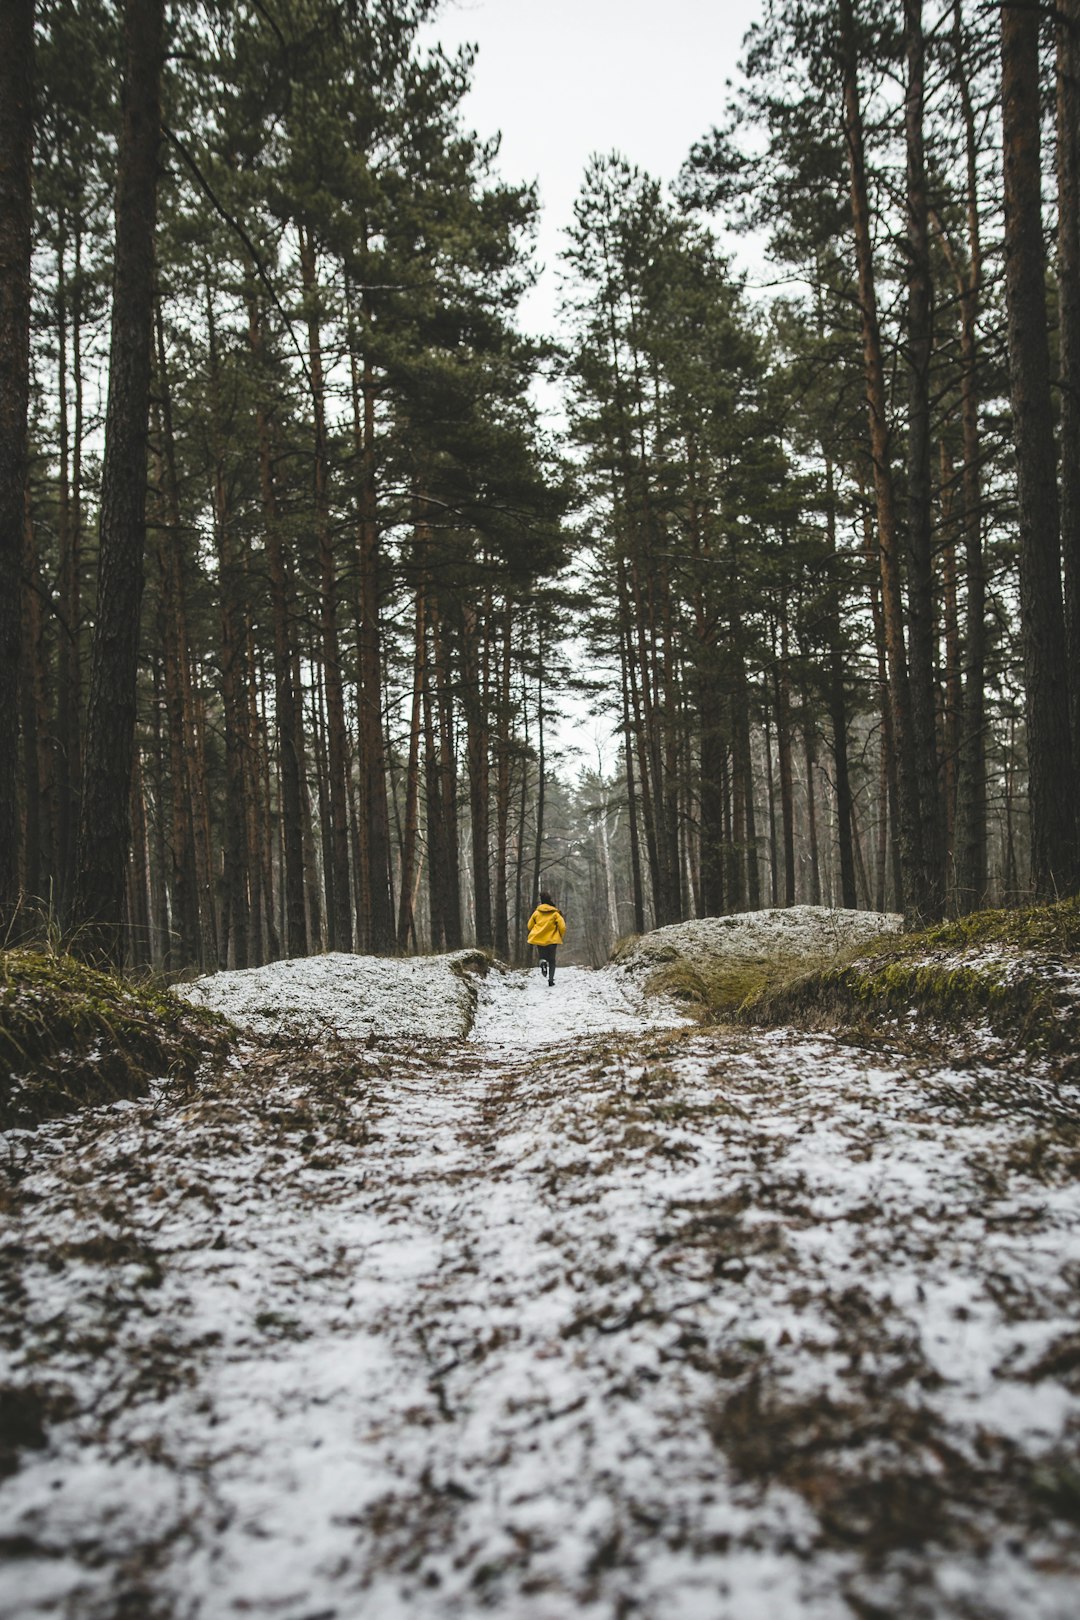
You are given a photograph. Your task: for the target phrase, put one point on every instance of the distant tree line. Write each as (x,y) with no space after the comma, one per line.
(290,563)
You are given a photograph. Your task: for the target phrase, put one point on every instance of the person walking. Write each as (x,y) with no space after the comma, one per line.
(547,926)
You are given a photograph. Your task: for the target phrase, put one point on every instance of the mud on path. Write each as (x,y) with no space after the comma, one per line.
(644,1322)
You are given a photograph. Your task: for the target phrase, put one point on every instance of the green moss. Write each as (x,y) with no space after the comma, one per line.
(71,1035)
(719,987)
(996,968)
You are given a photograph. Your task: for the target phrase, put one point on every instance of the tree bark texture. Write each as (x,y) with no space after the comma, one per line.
(105,812)
(1068,283)
(1042,625)
(919,347)
(16,215)
(917,899)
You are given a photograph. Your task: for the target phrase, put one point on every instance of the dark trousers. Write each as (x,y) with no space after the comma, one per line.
(547,954)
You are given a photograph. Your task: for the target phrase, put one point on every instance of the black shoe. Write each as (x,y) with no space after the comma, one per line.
(544,967)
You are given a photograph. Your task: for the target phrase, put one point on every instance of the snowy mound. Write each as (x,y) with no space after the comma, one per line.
(721,959)
(351,997)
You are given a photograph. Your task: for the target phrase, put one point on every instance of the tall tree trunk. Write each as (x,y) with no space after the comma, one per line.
(373,801)
(810,744)
(38,773)
(69,521)
(541,779)
(138,895)
(159,894)
(338,898)
(631,796)
(105,813)
(16,138)
(783,759)
(476,673)
(917,899)
(838,707)
(186,946)
(953,701)
(1054,866)
(238,873)
(411,828)
(1068,283)
(503,784)
(286,705)
(919,346)
(970,837)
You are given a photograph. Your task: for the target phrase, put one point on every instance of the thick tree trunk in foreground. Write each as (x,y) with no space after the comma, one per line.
(1068,281)
(105,812)
(1042,625)
(16,137)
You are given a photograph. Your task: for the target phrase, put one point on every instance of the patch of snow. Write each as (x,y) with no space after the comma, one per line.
(658,1324)
(781,933)
(343,996)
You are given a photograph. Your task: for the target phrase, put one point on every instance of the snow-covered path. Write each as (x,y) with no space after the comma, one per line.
(552,1322)
(518,1013)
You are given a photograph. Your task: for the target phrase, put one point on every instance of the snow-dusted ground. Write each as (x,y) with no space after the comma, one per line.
(549,1323)
(519,1012)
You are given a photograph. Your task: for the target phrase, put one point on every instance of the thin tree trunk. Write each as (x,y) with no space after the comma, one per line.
(541,782)
(631,795)
(783,760)
(338,898)
(952,717)
(185,944)
(374,808)
(918,900)
(138,896)
(286,706)
(411,828)
(503,788)
(238,863)
(838,717)
(38,775)
(810,744)
(476,671)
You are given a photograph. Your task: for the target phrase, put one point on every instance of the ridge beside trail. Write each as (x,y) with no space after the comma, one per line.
(591,1313)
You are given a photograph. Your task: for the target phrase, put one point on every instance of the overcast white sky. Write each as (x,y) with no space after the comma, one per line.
(562,79)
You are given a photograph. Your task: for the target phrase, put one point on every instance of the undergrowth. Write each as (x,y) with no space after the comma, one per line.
(71,1035)
(1015,973)
(717,988)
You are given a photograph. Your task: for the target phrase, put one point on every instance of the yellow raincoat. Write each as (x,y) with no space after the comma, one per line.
(546,926)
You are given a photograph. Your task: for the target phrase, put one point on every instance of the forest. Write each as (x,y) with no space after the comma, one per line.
(300,581)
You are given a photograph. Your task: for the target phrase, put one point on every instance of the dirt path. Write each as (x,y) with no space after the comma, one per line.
(549,1323)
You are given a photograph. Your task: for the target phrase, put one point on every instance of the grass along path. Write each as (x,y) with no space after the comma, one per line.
(575,1321)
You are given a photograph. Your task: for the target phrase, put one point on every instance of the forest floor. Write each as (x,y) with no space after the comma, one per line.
(589,1313)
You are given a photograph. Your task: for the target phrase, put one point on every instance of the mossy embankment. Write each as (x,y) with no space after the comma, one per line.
(1011,975)
(716,965)
(72,1036)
